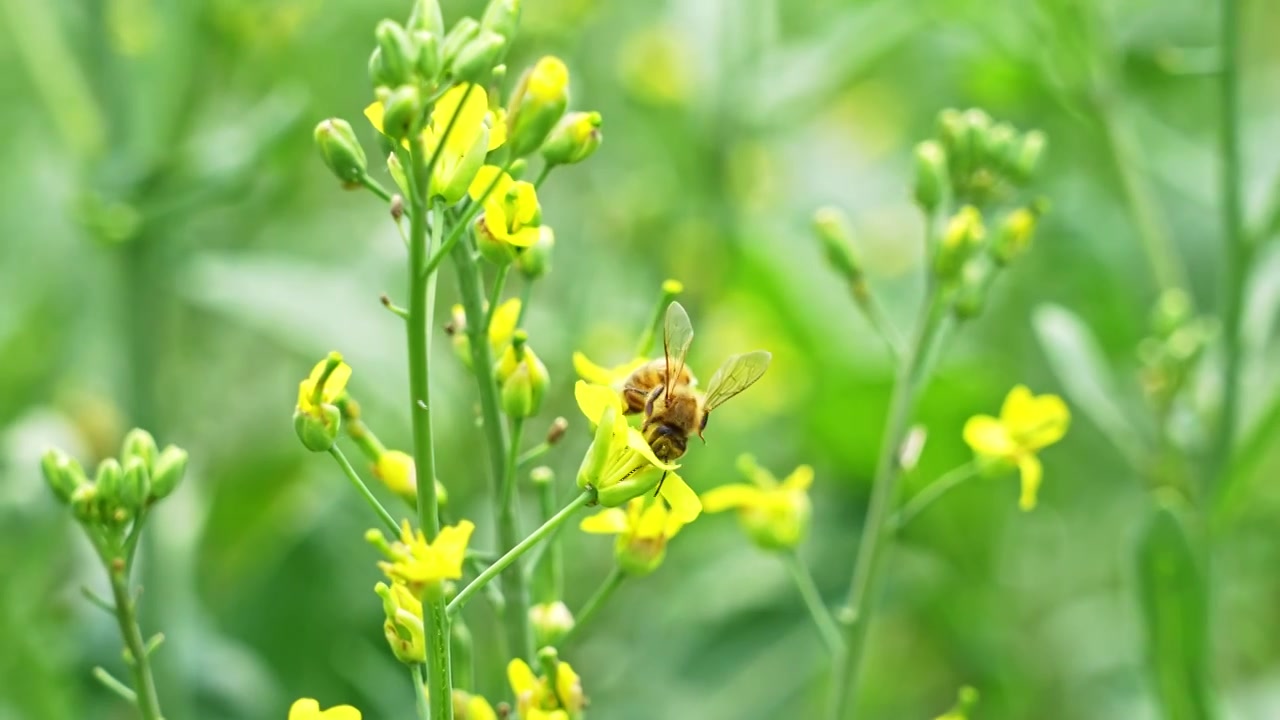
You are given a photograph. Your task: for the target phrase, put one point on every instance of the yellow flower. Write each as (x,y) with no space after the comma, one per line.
(327,381)
(539,697)
(1026,424)
(403,626)
(619,464)
(597,375)
(418,563)
(475,132)
(775,515)
(308,709)
(501,329)
(397,471)
(511,211)
(472,707)
(643,531)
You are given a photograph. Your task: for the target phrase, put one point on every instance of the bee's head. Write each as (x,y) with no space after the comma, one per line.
(667,442)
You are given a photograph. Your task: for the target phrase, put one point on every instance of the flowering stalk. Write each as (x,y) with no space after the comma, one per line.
(822,618)
(145,696)
(596,601)
(508,559)
(364,490)
(877,531)
(932,492)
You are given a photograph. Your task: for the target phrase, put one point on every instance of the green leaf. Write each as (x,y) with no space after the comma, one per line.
(1174,612)
(1078,363)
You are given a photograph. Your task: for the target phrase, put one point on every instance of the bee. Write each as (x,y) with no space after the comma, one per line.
(665,390)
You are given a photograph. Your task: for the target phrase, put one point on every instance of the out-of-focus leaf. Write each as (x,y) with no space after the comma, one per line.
(1076,359)
(1174,612)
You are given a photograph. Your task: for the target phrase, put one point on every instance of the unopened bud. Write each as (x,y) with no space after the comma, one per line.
(1029,153)
(430,60)
(399,56)
(378,69)
(535,261)
(108,479)
(932,183)
(556,432)
(538,102)
(597,455)
(501,17)
(977,127)
(575,138)
(551,622)
(542,475)
(135,486)
(170,466)
(1015,235)
(427,16)
(524,380)
(340,150)
(964,234)
(63,473)
(975,285)
(832,228)
(139,443)
(403,627)
(952,132)
(402,112)
(459,35)
(318,428)
(85,504)
(1002,142)
(1173,309)
(475,59)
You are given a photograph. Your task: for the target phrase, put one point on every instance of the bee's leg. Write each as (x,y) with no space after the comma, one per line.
(703,426)
(660,481)
(633,398)
(648,406)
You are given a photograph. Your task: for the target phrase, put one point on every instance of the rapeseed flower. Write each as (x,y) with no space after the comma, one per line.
(643,531)
(1027,423)
(775,515)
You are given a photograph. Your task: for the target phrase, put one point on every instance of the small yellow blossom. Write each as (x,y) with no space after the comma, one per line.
(619,464)
(397,471)
(599,375)
(560,698)
(1026,424)
(471,707)
(308,709)
(511,211)
(418,563)
(643,531)
(775,515)
(476,131)
(323,386)
(403,626)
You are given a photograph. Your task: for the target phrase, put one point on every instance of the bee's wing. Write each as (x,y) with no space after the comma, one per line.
(737,373)
(677,335)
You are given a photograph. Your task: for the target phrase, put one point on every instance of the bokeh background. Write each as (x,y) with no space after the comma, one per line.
(174,255)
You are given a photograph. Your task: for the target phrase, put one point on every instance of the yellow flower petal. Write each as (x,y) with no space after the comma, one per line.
(304,709)
(497,120)
(526,201)
(636,442)
(653,521)
(396,470)
(521,678)
(733,496)
(590,371)
(374,111)
(800,479)
(988,437)
(524,237)
(503,326)
(684,502)
(336,383)
(470,118)
(610,521)
(479,709)
(568,686)
(484,178)
(1031,470)
(340,712)
(1037,422)
(593,399)
(451,544)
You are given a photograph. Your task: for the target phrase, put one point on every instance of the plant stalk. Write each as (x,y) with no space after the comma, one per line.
(595,602)
(144,684)
(822,619)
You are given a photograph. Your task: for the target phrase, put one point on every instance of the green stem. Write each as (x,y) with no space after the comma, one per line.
(876,532)
(435,622)
(595,602)
(515,586)
(387,518)
(464,224)
(110,682)
(507,560)
(144,685)
(1238,249)
(548,573)
(533,453)
(375,187)
(1153,233)
(931,493)
(822,618)
(421,701)
(879,322)
(542,176)
(495,295)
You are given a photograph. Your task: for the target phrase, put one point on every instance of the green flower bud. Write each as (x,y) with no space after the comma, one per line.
(378,70)
(952,130)
(1015,235)
(832,228)
(964,234)
(85,504)
(977,127)
(456,329)
(535,262)
(135,486)
(475,60)
(403,111)
(462,32)
(615,492)
(1173,309)
(170,466)
(523,379)
(1002,142)
(537,104)
(932,184)
(975,286)
(340,150)
(518,168)
(1029,153)
(398,176)
(399,53)
(593,462)
(138,443)
(403,627)
(428,17)
(318,430)
(108,479)
(551,622)
(575,138)
(430,60)
(501,17)
(63,473)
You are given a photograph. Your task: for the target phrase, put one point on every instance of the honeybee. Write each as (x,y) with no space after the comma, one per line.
(664,389)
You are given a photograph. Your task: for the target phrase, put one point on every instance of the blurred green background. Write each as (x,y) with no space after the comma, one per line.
(174,255)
